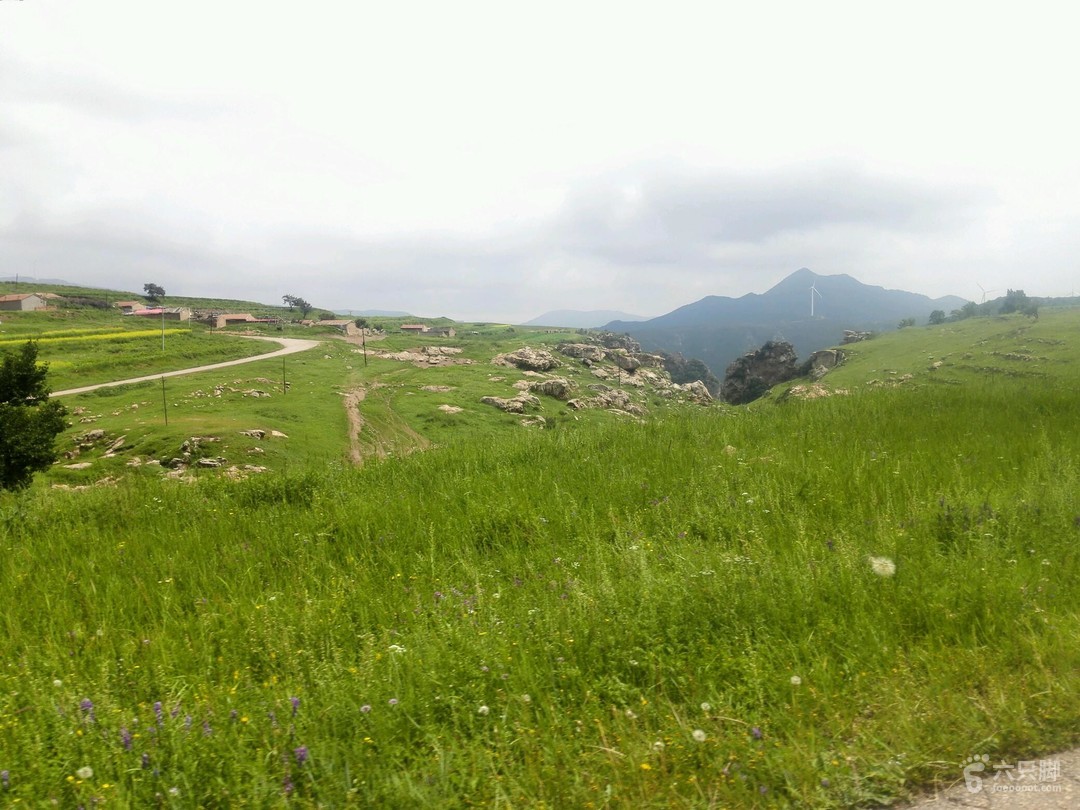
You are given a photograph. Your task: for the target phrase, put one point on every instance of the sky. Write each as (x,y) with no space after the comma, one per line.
(497,160)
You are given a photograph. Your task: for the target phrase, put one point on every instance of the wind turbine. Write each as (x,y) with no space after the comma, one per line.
(813,292)
(984,291)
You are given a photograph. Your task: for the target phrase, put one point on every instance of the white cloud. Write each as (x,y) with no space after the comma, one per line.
(492,160)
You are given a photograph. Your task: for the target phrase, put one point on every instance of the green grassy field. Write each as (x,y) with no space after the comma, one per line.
(816,603)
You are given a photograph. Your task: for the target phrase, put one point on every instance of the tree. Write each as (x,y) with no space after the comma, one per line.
(1015,301)
(937,316)
(906,322)
(29,420)
(153,293)
(296,302)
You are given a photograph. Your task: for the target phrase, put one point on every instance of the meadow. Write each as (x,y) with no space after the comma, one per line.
(822,603)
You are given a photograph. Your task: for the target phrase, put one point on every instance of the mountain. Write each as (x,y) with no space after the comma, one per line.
(718,329)
(576,319)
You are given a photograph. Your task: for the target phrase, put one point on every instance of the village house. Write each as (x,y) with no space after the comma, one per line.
(414,328)
(128,307)
(168,314)
(22,302)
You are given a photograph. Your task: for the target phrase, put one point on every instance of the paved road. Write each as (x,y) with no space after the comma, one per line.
(290,346)
(1044,786)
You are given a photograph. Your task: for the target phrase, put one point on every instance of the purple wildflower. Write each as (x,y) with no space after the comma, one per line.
(157,710)
(125,738)
(301,754)
(187,722)
(755,732)
(763,790)
(273,718)
(287,786)
(87,706)
(233,715)
(365,708)
(392,701)
(146,762)
(5,779)
(206,730)
(295,701)
(175,711)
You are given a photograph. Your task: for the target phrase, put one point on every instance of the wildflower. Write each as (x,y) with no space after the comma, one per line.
(5,779)
(526,699)
(187,722)
(125,738)
(658,746)
(796,680)
(206,730)
(287,786)
(157,710)
(645,766)
(483,711)
(295,701)
(146,762)
(301,754)
(365,708)
(174,791)
(755,732)
(706,707)
(57,683)
(233,715)
(85,772)
(393,701)
(883,566)
(630,714)
(699,735)
(396,648)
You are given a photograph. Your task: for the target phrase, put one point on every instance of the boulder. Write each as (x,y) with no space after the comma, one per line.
(624,360)
(527,358)
(582,351)
(516,405)
(254,433)
(556,387)
(822,362)
(695,391)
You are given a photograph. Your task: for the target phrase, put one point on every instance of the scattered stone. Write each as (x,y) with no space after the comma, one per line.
(277,434)
(696,391)
(437,389)
(851,336)
(93,436)
(211,462)
(450,409)
(112,448)
(82,465)
(256,451)
(625,361)
(534,421)
(812,391)
(254,433)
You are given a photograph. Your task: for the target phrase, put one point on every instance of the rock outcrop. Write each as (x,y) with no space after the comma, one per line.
(753,374)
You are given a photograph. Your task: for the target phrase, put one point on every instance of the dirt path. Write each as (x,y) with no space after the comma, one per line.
(1049,782)
(396,438)
(290,346)
(356,424)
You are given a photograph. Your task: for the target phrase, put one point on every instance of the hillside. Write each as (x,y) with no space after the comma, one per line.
(718,329)
(822,602)
(578,319)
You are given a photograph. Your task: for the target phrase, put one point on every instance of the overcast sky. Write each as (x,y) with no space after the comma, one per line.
(497,160)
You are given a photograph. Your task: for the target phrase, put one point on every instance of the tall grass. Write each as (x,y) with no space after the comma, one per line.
(681,613)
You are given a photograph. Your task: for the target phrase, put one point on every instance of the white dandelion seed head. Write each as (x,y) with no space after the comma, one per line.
(699,735)
(630,714)
(483,711)
(85,772)
(57,683)
(883,566)
(658,746)
(396,648)
(526,699)
(796,680)
(706,707)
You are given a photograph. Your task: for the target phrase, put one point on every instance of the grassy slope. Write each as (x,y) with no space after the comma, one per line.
(600,591)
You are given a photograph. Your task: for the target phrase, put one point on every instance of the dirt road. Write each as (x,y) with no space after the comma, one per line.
(289,346)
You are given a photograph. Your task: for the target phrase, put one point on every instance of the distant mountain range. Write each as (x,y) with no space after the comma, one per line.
(717,329)
(575,319)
